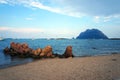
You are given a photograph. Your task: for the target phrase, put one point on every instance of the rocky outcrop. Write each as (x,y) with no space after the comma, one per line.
(23,50)
(18,49)
(68,52)
(92,34)
(46,52)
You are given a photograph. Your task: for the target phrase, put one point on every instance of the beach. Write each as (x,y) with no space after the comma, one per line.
(78,68)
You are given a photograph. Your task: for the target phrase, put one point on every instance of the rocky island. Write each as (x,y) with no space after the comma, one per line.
(92,34)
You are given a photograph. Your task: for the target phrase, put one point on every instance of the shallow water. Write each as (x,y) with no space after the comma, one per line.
(80,48)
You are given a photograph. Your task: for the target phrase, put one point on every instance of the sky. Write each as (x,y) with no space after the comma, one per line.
(58,18)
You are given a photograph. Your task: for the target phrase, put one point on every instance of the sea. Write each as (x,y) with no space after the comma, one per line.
(81,48)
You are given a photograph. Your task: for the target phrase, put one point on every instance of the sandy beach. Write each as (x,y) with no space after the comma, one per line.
(82,68)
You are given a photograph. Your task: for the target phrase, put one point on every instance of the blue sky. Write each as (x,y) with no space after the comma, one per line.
(58,18)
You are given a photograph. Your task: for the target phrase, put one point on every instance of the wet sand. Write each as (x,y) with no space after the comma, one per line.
(82,68)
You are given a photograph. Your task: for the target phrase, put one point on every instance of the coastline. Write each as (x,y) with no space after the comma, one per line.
(24,60)
(104,67)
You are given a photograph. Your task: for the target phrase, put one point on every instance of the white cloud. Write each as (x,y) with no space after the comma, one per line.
(38,4)
(116,16)
(75,8)
(28,18)
(21,30)
(64,11)
(97,19)
(3,1)
(37,32)
(41,6)
(4,28)
(106,19)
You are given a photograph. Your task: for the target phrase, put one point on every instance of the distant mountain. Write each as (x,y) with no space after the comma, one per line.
(92,34)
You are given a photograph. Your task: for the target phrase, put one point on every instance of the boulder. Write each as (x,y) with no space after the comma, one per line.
(39,50)
(49,54)
(46,52)
(36,52)
(26,50)
(24,45)
(19,49)
(12,45)
(6,50)
(68,52)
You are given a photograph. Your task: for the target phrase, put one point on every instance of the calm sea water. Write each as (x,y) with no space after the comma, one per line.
(80,48)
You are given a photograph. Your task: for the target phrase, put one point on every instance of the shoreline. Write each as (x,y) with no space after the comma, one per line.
(4,66)
(105,67)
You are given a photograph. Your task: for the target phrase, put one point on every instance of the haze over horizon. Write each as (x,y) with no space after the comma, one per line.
(58,18)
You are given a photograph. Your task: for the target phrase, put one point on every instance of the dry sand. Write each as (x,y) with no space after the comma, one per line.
(85,68)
